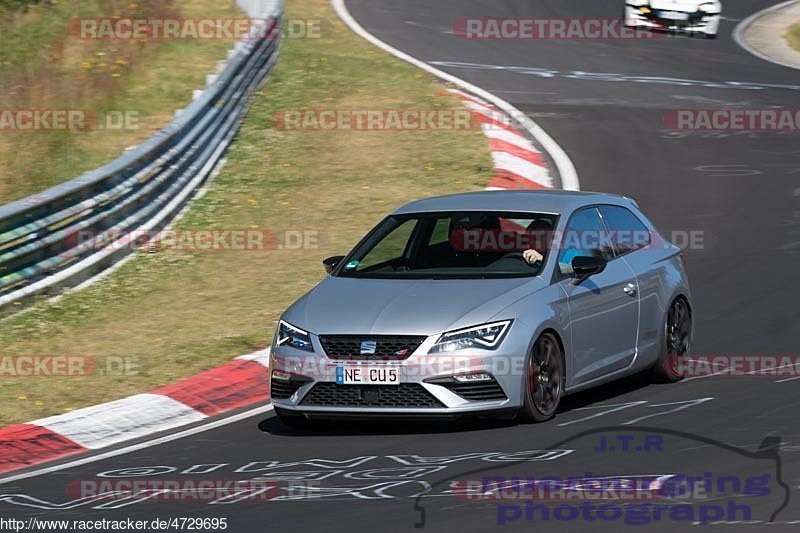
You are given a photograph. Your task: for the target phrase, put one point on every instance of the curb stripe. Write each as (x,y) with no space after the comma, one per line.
(509,137)
(470,98)
(528,155)
(221,389)
(261,357)
(486,111)
(521,167)
(26,444)
(517,162)
(494,123)
(110,423)
(508,180)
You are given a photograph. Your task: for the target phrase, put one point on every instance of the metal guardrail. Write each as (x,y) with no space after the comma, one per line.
(40,251)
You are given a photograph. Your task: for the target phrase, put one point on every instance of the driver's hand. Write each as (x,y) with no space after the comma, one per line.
(532,256)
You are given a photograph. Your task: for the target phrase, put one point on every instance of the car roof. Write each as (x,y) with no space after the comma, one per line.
(533,200)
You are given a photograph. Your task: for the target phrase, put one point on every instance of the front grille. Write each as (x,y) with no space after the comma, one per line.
(283,390)
(387,347)
(405,395)
(478,392)
(694,18)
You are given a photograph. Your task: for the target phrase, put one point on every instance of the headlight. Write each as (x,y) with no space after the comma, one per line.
(288,335)
(708,8)
(485,337)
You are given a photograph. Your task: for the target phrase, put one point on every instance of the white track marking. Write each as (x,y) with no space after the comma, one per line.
(140,446)
(566,170)
(727,371)
(682,405)
(615,407)
(787,365)
(722,372)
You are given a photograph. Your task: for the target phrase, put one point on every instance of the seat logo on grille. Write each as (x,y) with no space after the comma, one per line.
(368,347)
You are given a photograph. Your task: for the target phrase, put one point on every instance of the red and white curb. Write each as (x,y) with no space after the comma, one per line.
(518,163)
(240,383)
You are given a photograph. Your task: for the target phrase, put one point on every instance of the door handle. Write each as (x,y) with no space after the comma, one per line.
(630,289)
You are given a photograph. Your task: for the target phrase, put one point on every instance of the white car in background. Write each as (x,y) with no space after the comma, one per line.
(691,16)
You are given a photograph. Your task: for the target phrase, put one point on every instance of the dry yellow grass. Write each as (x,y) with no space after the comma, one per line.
(793,36)
(43,67)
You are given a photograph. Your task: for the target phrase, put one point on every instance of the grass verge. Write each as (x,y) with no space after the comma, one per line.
(174,314)
(793,36)
(43,66)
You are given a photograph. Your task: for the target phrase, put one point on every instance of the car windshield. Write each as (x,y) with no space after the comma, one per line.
(453,245)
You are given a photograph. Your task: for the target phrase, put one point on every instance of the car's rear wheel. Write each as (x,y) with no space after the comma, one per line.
(290,419)
(545,380)
(676,343)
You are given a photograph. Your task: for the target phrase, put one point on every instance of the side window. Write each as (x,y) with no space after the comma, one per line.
(441,231)
(391,247)
(584,236)
(627,232)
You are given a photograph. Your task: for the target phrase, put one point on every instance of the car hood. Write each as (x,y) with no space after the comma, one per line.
(676,5)
(405,307)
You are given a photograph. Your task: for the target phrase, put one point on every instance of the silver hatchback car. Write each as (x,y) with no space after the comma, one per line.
(497,302)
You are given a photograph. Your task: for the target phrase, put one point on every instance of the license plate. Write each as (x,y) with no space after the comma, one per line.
(674,15)
(367,375)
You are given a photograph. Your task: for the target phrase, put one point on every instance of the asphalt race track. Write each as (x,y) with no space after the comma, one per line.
(604,102)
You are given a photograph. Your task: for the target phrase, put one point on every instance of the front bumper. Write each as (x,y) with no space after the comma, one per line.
(696,22)
(426,388)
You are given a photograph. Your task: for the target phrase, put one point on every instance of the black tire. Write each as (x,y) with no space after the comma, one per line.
(711,35)
(544,380)
(676,342)
(290,419)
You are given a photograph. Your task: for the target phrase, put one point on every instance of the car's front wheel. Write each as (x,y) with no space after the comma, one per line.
(545,380)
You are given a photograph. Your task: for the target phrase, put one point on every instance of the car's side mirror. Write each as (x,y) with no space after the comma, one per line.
(331,262)
(585,266)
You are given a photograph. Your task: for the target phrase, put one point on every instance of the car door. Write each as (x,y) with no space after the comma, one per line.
(633,241)
(604,309)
